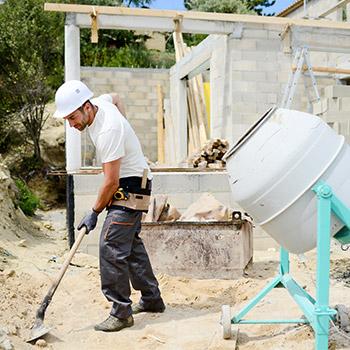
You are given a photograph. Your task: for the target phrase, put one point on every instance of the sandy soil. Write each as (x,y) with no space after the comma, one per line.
(29,263)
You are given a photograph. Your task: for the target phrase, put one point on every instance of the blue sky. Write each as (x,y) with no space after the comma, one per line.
(178,5)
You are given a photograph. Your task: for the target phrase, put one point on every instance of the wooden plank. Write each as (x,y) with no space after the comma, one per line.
(199,111)
(325,69)
(193,120)
(142,23)
(160,125)
(169,142)
(193,15)
(200,83)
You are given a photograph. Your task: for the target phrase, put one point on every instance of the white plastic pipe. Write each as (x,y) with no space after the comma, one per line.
(72,71)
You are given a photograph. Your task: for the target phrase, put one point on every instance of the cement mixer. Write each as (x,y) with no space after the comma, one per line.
(274,166)
(291,173)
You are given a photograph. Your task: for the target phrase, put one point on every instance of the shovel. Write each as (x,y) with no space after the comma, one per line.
(39,329)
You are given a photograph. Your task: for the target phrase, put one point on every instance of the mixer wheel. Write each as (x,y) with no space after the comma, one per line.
(226,321)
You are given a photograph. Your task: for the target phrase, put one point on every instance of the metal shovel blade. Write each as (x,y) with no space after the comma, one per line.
(38,331)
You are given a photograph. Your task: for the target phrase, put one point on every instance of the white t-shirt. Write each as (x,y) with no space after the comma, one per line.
(114,138)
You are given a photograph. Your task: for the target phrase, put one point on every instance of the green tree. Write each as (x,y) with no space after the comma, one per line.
(229,6)
(31,49)
(258,5)
(221,6)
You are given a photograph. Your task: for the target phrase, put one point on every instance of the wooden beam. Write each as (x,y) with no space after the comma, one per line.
(333,8)
(197,59)
(325,70)
(204,17)
(142,23)
(160,125)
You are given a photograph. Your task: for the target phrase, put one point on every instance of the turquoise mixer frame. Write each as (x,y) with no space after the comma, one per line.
(317,311)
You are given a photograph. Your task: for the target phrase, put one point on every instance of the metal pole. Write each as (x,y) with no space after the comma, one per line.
(70,209)
(322,311)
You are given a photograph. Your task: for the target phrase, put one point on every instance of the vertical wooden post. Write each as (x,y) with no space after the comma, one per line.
(160,125)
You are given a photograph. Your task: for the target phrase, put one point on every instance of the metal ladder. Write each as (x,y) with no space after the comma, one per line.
(301,59)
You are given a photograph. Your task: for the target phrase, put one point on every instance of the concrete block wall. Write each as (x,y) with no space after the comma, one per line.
(258,69)
(182,189)
(137,88)
(334,108)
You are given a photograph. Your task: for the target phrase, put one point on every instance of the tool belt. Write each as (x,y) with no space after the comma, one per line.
(134,193)
(135,201)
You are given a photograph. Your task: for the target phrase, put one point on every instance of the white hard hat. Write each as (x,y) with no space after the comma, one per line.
(70,96)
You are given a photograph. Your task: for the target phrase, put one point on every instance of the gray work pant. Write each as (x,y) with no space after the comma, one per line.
(123,258)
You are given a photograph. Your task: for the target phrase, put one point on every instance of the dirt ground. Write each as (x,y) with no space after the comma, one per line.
(29,262)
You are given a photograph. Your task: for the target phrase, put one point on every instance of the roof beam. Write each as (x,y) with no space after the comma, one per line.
(189,19)
(158,24)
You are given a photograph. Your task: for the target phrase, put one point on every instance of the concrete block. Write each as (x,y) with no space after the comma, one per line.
(268,87)
(283,76)
(244,65)
(269,45)
(272,98)
(320,107)
(152,82)
(245,44)
(236,75)
(244,86)
(138,81)
(152,96)
(101,74)
(249,33)
(137,95)
(215,182)
(87,184)
(274,35)
(333,104)
(266,66)
(333,91)
(247,97)
(254,76)
(236,55)
(176,182)
(344,104)
(271,77)
(245,107)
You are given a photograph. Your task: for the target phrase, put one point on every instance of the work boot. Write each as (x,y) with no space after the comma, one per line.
(137,308)
(114,324)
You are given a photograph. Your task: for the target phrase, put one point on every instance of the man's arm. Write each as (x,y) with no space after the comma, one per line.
(116,100)
(110,184)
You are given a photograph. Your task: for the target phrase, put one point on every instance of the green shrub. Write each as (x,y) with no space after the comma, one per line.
(28,201)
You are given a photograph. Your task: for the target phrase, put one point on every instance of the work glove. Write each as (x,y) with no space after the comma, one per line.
(89,221)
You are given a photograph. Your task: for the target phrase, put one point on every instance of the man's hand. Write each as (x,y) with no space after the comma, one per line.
(89,221)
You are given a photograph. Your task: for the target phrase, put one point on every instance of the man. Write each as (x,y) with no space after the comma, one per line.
(124,193)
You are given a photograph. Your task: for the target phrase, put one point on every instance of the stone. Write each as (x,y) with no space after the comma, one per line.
(22,243)
(41,343)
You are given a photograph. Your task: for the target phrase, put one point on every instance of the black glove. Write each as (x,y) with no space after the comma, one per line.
(89,221)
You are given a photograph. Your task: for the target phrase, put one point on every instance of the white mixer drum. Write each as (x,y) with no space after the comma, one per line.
(274,166)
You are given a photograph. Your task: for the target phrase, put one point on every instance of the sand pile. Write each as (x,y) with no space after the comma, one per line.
(32,260)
